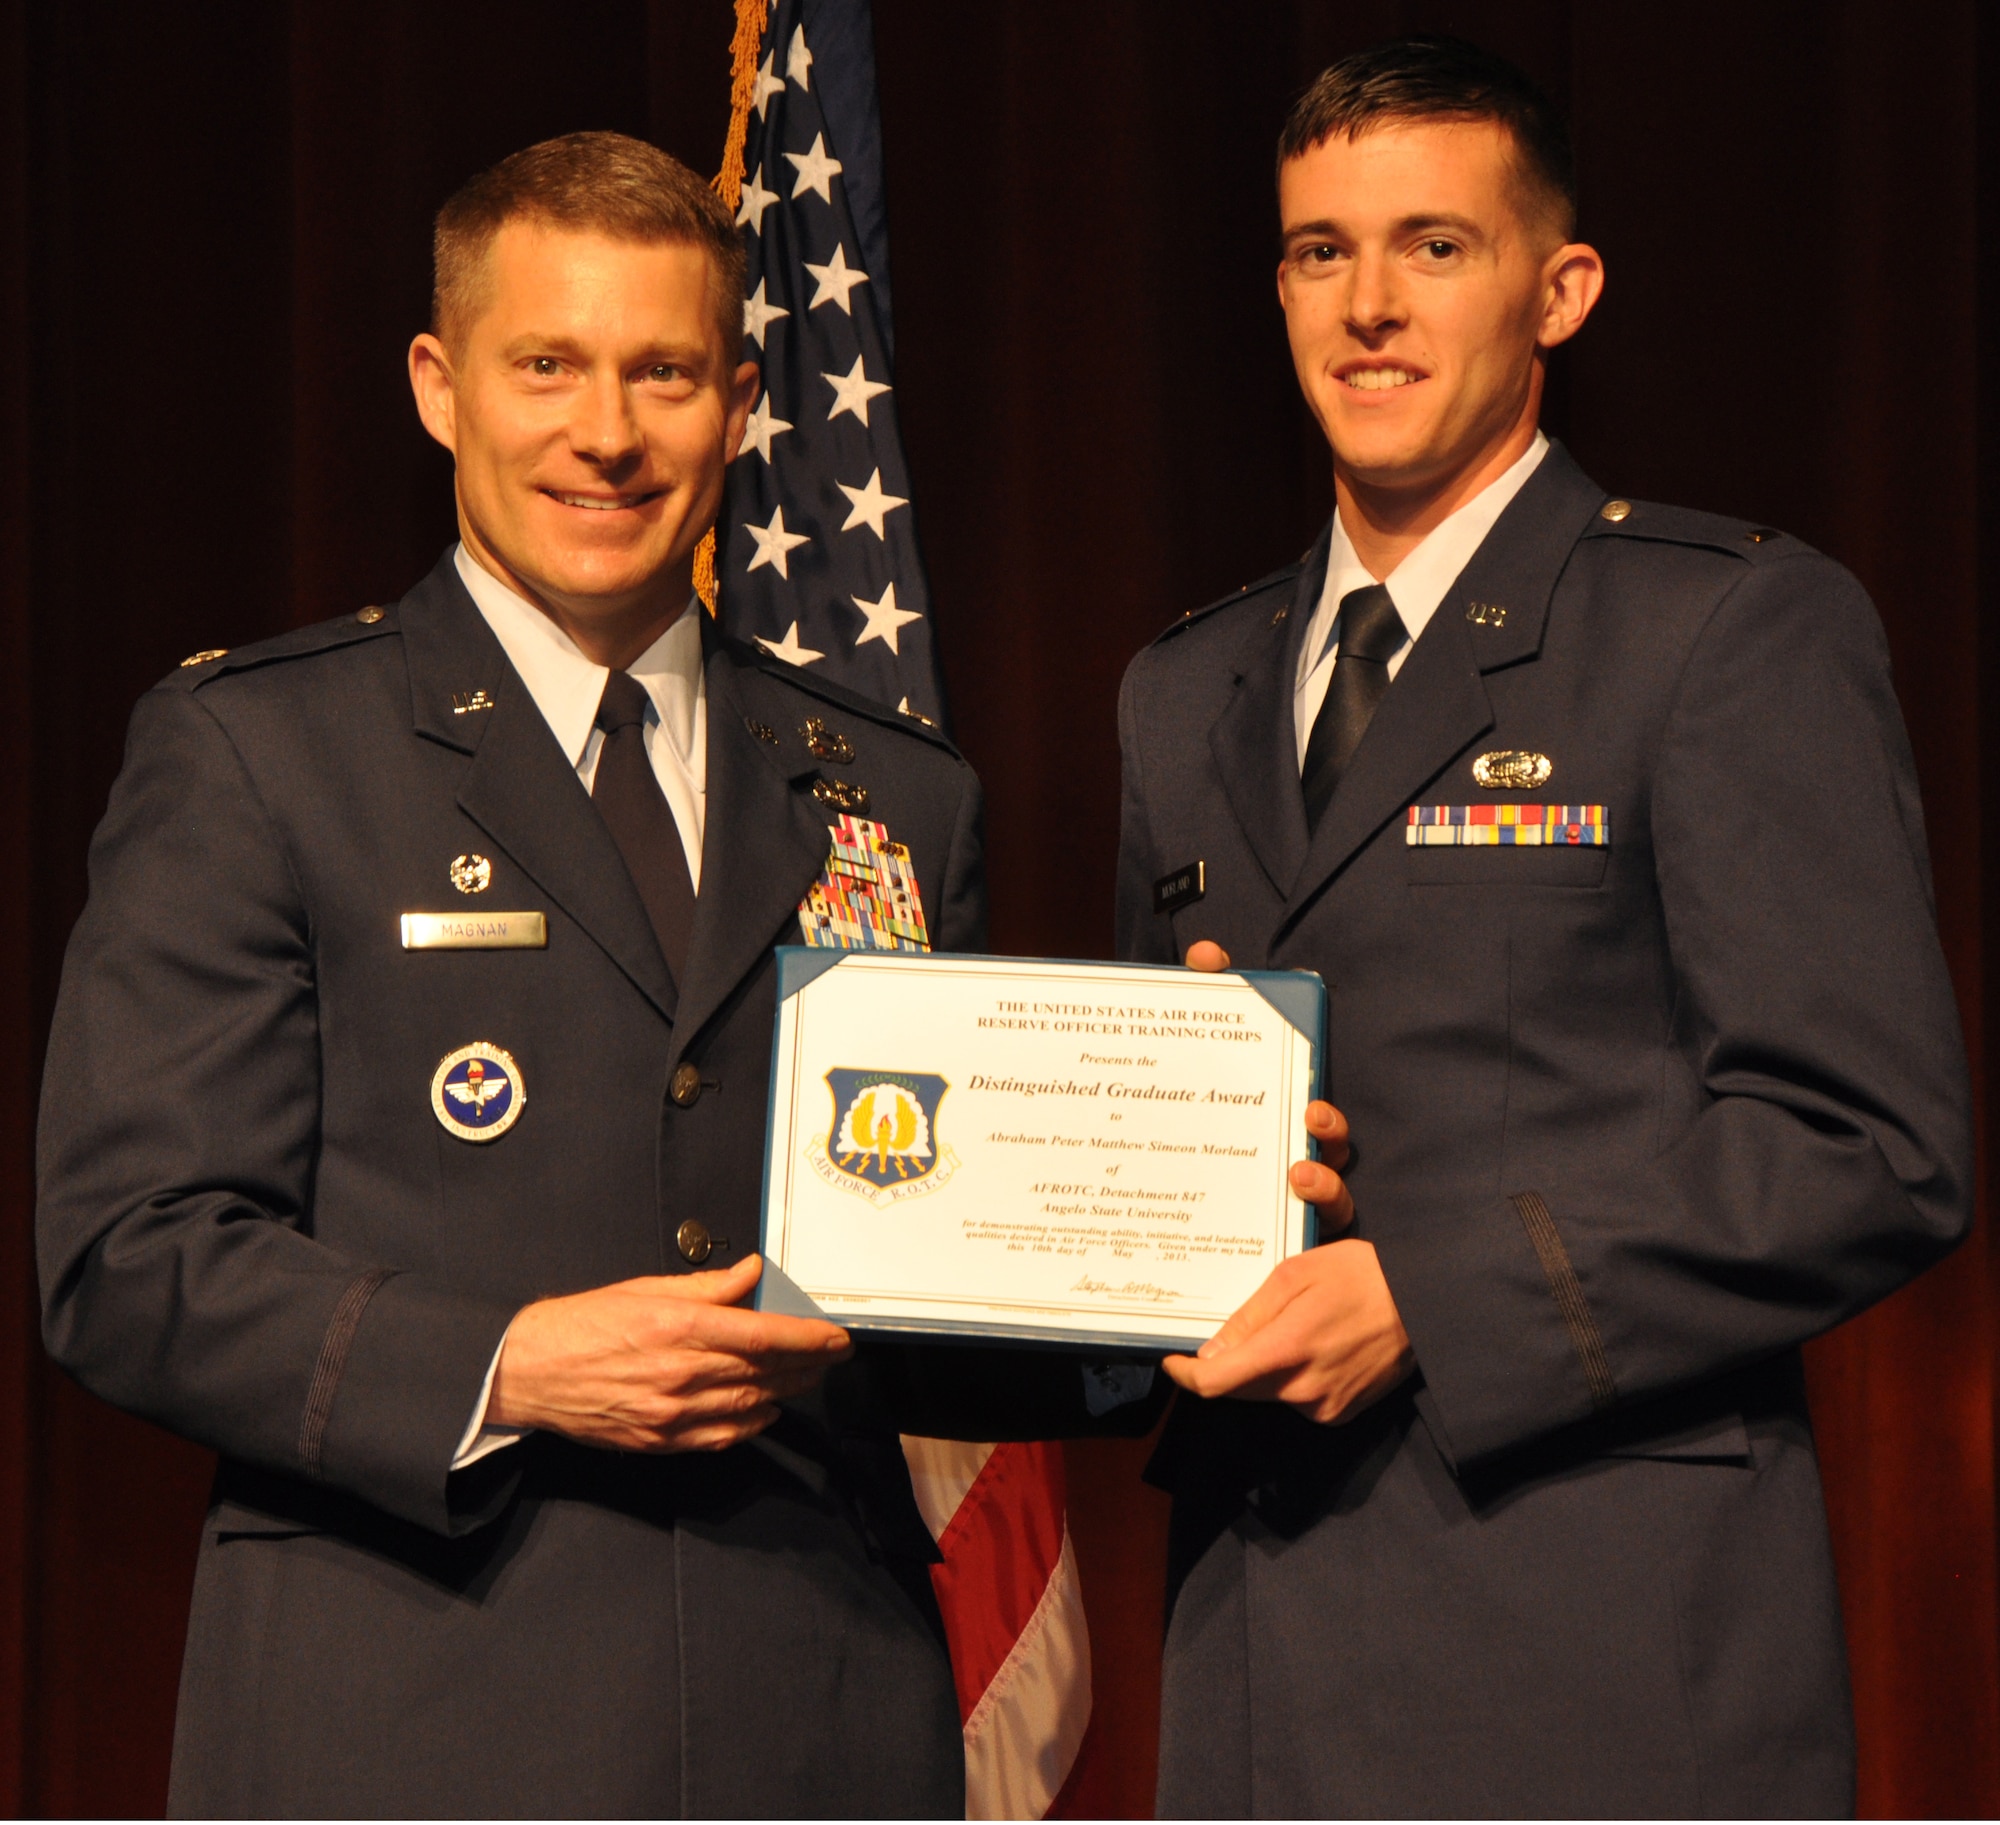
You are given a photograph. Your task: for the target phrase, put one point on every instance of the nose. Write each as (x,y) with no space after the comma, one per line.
(1375,305)
(605,429)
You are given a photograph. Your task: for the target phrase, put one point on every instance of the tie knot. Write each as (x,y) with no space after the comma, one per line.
(623,704)
(1370,628)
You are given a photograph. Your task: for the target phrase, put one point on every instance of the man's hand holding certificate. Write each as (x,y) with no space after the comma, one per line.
(1322,1334)
(1084,1153)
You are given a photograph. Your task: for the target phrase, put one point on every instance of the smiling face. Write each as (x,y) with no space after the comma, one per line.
(1421,284)
(591,409)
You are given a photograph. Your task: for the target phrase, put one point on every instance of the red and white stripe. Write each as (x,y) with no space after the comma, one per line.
(1013,1614)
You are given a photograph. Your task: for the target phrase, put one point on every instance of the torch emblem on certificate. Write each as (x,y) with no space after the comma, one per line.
(882,1144)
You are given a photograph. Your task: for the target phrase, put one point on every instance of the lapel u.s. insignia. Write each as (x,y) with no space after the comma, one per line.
(884,1144)
(866,897)
(477,1092)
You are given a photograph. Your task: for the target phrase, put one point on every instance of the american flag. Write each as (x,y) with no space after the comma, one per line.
(817,560)
(817,556)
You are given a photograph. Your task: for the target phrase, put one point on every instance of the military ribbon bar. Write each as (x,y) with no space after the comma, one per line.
(1508,826)
(866,898)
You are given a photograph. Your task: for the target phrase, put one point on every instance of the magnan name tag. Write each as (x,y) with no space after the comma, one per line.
(483,931)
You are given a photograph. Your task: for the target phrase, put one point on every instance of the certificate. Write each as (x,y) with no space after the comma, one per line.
(1085,1153)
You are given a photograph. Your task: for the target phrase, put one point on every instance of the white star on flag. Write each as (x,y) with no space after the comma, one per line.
(774,546)
(870,507)
(798,60)
(884,618)
(816,170)
(836,279)
(756,314)
(852,391)
(767,86)
(761,427)
(788,649)
(756,199)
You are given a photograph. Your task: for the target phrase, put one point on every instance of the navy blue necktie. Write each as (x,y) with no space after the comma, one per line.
(1370,633)
(628,797)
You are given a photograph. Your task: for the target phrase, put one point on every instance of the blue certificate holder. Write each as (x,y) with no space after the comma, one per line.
(1090,1155)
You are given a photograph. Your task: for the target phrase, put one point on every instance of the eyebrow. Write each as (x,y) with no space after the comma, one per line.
(686,354)
(1408,225)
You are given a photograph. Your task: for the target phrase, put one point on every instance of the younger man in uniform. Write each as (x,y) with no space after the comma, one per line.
(1599,820)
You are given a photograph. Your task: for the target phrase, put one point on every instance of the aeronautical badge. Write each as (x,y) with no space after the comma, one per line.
(477,1092)
(884,1144)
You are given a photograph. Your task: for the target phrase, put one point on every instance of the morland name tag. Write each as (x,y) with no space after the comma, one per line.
(486,931)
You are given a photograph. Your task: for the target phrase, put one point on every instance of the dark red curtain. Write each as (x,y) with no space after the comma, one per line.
(213,250)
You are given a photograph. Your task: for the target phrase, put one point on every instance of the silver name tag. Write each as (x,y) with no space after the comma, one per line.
(486,931)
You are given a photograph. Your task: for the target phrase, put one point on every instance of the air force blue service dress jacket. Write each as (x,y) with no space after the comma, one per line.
(260,1226)
(1636,1111)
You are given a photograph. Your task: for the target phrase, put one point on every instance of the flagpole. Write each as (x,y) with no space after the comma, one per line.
(729,186)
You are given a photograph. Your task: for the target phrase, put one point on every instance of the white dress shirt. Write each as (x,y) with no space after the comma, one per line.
(1416,586)
(567,689)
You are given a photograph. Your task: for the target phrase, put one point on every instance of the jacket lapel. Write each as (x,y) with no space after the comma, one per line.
(520,788)
(1438,705)
(764,842)
(1254,742)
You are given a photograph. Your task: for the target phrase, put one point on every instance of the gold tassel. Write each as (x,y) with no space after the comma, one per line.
(729,186)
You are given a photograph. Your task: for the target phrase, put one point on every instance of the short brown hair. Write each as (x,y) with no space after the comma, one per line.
(1436,78)
(608,183)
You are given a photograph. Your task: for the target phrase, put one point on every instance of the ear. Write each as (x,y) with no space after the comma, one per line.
(1572,282)
(436,394)
(742,396)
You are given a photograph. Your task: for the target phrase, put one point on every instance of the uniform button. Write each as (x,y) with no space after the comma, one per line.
(694,1242)
(370,615)
(686,1087)
(1615,511)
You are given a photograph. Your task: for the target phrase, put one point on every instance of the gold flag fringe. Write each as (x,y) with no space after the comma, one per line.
(743,48)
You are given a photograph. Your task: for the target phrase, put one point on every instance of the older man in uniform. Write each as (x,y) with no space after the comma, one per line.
(1599,819)
(410,1060)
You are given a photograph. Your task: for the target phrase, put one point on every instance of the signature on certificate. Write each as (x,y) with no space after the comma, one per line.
(1132,1289)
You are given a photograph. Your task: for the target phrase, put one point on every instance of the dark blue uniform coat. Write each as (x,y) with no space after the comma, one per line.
(254,1231)
(1630,1124)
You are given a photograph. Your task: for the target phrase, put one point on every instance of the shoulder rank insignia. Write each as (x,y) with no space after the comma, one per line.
(477,1092)
(1508,826)
(866,897)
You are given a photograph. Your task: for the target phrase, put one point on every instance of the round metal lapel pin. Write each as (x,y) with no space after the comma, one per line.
(477,1092)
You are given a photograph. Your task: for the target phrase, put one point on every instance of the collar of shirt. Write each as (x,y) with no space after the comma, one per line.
(567,688)
(1417,585)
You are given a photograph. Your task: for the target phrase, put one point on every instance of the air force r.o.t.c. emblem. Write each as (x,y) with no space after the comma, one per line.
(883,1144)
(477,1092)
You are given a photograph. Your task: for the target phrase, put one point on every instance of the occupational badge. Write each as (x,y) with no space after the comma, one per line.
(883,1144)
(1512,770)
(866,897)
(471,873)
(477,1092)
